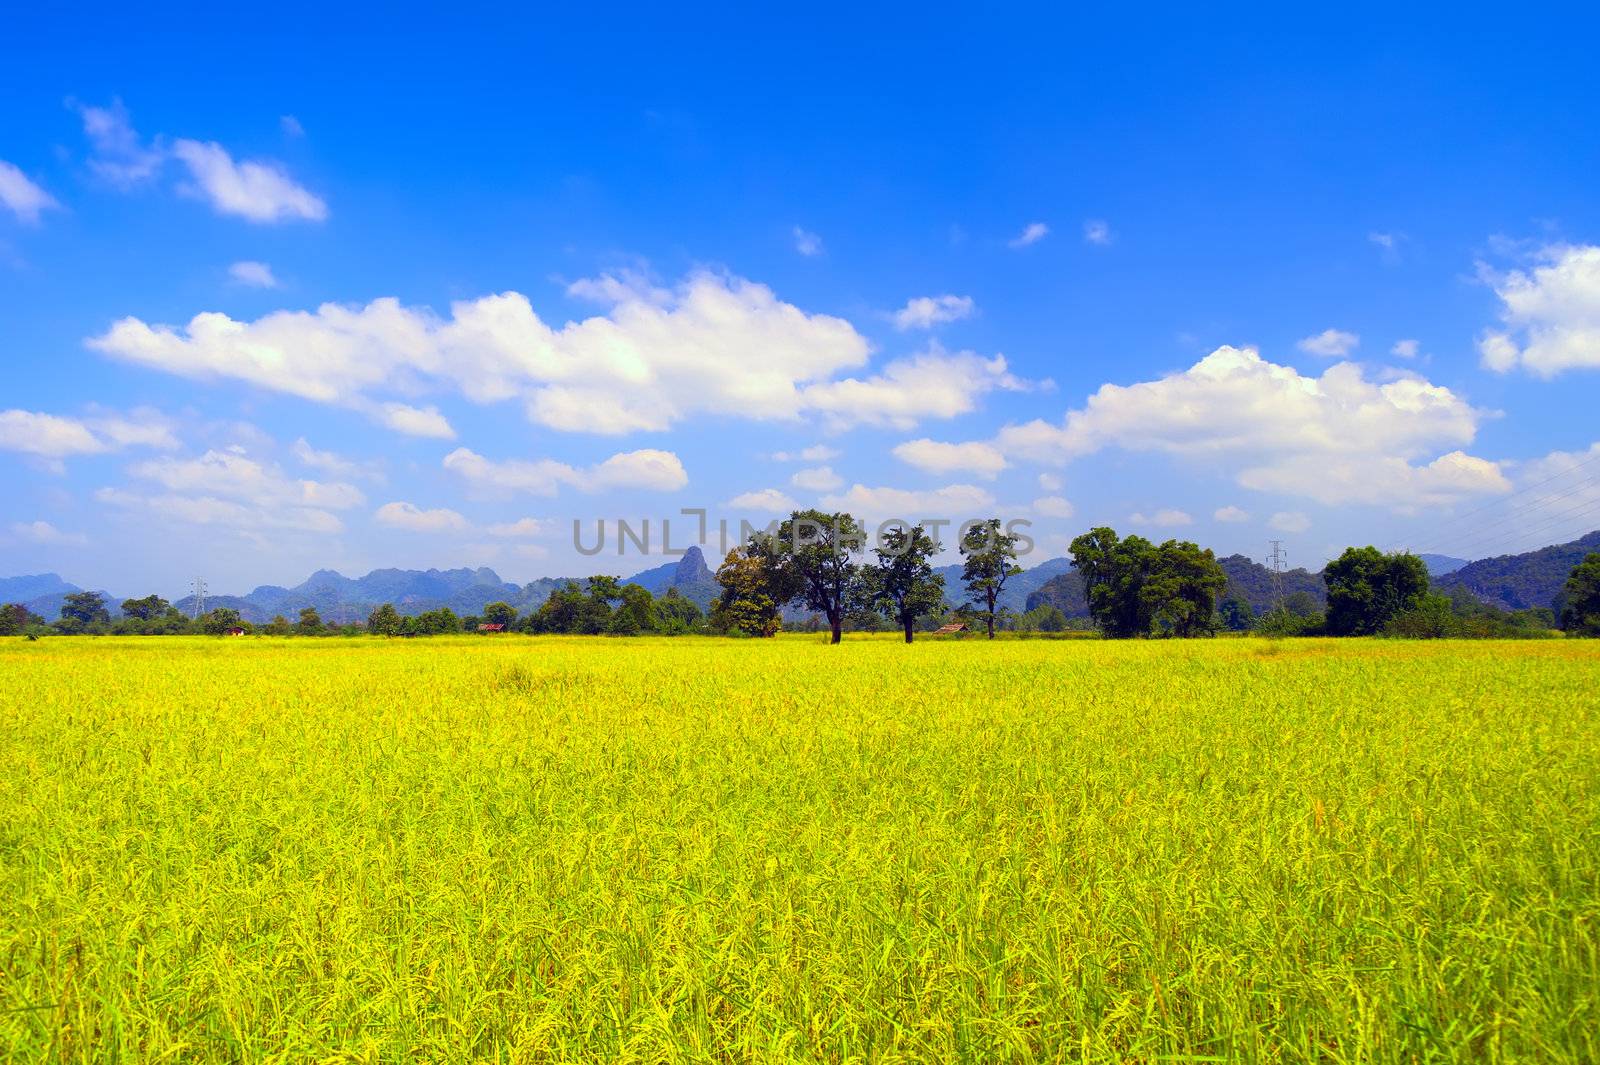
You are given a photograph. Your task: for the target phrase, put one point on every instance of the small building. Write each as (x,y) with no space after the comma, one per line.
(949,630)
(491,627)
(233,630)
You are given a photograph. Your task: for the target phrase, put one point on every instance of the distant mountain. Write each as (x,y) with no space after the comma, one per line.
(1525,581)
(1440,565)
(689,575)
(21,589)
(1065,592)
(1014,596)
(1247,579)
(340,599)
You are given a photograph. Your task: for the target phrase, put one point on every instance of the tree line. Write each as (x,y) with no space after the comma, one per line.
(819,562)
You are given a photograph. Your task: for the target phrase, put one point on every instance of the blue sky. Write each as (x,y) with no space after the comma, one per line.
(459,284)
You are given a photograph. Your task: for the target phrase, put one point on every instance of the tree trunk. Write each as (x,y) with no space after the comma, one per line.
(990,620)
(837,621)
(908,625)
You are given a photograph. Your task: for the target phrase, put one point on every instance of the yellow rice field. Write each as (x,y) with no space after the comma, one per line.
(570,849)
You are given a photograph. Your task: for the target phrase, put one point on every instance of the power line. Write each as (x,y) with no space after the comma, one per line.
(1437,532)
(1536,520)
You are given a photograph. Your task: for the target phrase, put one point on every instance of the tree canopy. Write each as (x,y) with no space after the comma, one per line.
(1368,588)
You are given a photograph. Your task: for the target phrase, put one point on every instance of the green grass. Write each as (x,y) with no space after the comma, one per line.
(655,850)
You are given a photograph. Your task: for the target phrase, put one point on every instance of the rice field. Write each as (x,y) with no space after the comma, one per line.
(569,849)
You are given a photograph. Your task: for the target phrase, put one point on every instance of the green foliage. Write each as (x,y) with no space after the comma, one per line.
(1235,614)
(83,612)
(1580,610)
(149,608)
(635,614)
(278,626)
(988,560)
(1368,588)
(17,620)
(902,586)
(1044,618)
(748,604)
(217,622)
(310,623)
(677,614)
(1136,588)
(500,613)
(384,621)
(812,560)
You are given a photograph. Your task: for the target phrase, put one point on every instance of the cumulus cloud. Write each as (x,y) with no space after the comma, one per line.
(250,521)
(258,191)
(1405,349)
(975,457)
(925,312)
(415,421)
(409,516)
(1230,514)
(1289,521)
(1330,344)
(1050,482)
(1053,507)
(648,469)
(814,453)
(1032,233)
(952,501)
(1550,313)
(233,474)
(55,437)
(332,462)
(21,196)
(817,479)
(45,535)
(807,244)
(1165,518)
(766,501)
(1097,231)
(715,344)
(522,528)
(253,274)
(1337,438)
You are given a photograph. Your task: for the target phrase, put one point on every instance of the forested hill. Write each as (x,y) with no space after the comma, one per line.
(1522,582)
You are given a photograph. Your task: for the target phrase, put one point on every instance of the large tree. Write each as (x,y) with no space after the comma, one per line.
(16,619)
(748,602)
(989,559)
(1135,588)
(902,586)
(83,612)
(500,613)
(149,608)
(310,623)
(1580,610)
(384,621)
(1368,588)
(812,559)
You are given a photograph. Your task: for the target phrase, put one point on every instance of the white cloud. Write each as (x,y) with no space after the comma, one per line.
(1337,438)
(246,520)
(814,453)
(1230,514)
(1032,233)
(1385,241)
(522,528)
(46,535)
(253,274)
(1053,507)
(120,155)
(1330,344)
(1405,349)
(953,501)
(1290,521)
(817,479)
(21,196)
(931,384)
(52,436)
(409,516)
(1551,315)
(1097,231)
(975,457)
(333,463)
(807,244)
(259,191)
(291,126)
(231,474)
(647,468)
(1050,482)
(925,312)
(766,501)
(415,421)
(1165,518)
